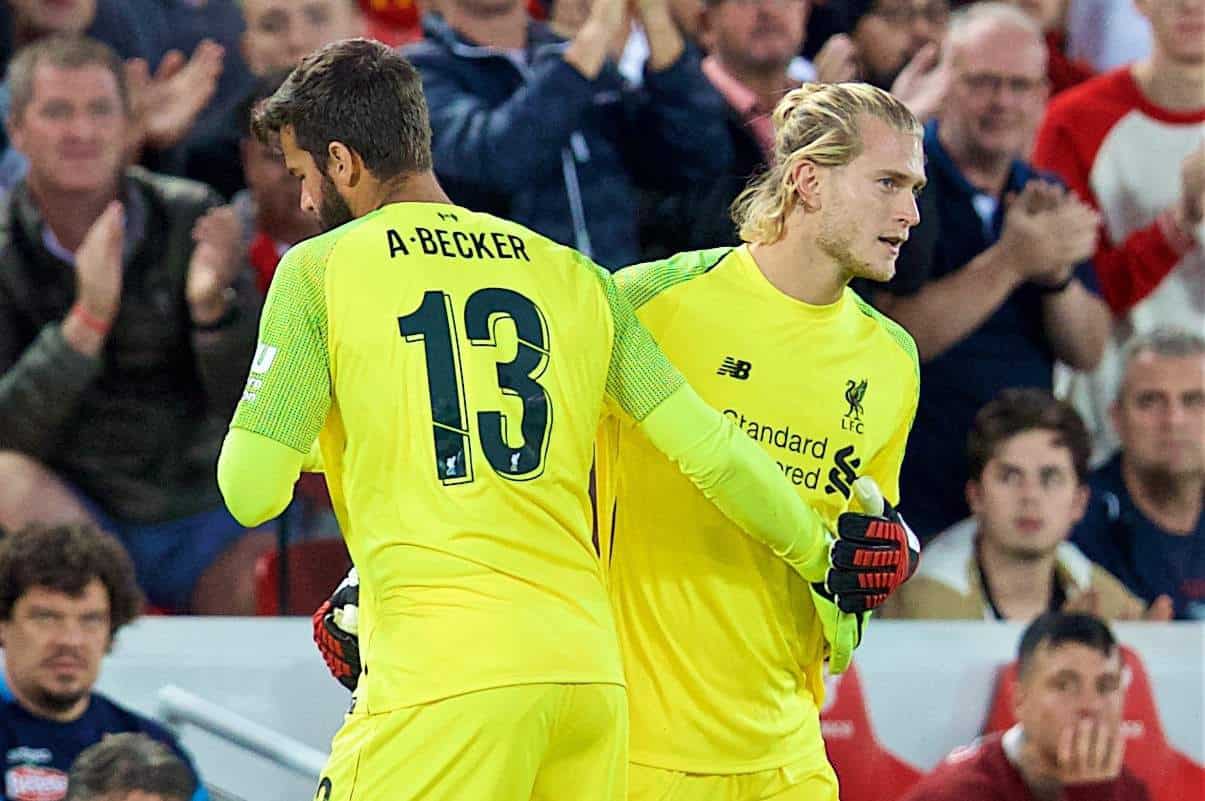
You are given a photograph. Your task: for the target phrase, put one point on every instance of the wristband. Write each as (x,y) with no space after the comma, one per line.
(93,324)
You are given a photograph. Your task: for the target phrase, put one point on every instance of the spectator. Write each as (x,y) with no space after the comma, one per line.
(278,33)
(1010,561)
(544,131)
(1145,521)
(65,592)
(127,317)
(1007,291)
(1130,143)
(1062,71)
(895,45)
(751,47)
(269,209)
(1068,743)
(129,767)
(164,105)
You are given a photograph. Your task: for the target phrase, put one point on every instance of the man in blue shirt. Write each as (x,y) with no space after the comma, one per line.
(1007,291)
(65,591)
(1144,521)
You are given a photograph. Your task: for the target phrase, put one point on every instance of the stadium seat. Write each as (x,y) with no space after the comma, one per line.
(866,770)
(1169,774)
(315,568)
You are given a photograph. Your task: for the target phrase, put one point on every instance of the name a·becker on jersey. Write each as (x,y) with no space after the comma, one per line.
(457,244)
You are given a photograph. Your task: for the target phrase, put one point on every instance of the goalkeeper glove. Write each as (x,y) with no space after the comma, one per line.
(336,631)
(874,553)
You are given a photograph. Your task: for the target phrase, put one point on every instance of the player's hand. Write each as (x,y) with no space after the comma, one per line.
(337,630)
(842,630)
(874,553)
(1090,750)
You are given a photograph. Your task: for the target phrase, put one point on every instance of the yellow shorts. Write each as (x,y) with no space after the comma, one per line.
(533,742)
(799,781)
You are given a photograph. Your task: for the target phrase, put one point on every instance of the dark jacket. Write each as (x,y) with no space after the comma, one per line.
(544,146)
(701,217)
(139,428)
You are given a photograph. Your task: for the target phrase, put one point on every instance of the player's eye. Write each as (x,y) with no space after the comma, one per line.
(889,183)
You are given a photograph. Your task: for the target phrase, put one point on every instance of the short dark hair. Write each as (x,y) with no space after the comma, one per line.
(1058,628)
(67,558)
(123,763)
(1017,410)
(66,51)
(264,87)
(358,92)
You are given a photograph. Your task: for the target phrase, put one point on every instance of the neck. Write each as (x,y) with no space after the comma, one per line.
(74,712)
(987,172)
(1173,85)
(798,269)
(1020,587)
(418,188)
(70,214)
(506,30)
(768,85)
(1173,501)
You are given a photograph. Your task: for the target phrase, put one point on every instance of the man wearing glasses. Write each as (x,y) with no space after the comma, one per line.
(1008,289)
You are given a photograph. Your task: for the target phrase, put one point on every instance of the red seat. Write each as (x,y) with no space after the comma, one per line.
(866,770)
(315,568)
(1169,774)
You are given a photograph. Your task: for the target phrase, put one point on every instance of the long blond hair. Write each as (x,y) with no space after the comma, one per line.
(817,122)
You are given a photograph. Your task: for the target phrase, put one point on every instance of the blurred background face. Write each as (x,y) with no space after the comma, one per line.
(760,36)
(1160,414)
(883,39)
(282,32)
(929,19)
(54,644)
(1178,26)
(1063,685)
(998,92)
(54,16)
(274,192)
(1028,497)
(74,129)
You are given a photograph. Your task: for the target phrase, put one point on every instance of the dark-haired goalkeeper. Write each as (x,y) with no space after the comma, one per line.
(453,368)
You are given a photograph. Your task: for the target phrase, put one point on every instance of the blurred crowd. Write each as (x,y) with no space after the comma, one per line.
(1055,285)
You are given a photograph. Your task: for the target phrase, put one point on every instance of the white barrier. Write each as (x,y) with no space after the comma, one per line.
(928,686)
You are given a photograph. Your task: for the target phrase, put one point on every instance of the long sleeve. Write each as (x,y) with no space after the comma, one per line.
(507,146)
(1129,270)
(223,355)
(729,468)
(40,386)
(678,131)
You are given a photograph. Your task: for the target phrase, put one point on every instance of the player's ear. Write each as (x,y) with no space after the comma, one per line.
(805,179)
(974,493)
(344,165)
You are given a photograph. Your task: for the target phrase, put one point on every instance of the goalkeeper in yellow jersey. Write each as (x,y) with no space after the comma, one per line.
(723,645)
(453,368)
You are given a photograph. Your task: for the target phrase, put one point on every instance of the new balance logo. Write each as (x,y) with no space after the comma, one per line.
(735,368)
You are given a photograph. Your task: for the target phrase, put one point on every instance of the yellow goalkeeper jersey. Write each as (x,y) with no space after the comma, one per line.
(454,367)
(722,648)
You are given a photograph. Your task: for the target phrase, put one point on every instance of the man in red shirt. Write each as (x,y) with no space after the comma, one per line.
(1067,744)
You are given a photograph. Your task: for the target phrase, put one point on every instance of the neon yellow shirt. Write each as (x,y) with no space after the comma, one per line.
(454,367)
(721,646)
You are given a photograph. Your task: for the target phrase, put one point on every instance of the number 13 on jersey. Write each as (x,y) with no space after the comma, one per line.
(433,324)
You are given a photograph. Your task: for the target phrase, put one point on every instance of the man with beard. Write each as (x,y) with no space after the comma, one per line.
(1028,455)
(453,368)
(1007,290)
(65,592)
(1145,522)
